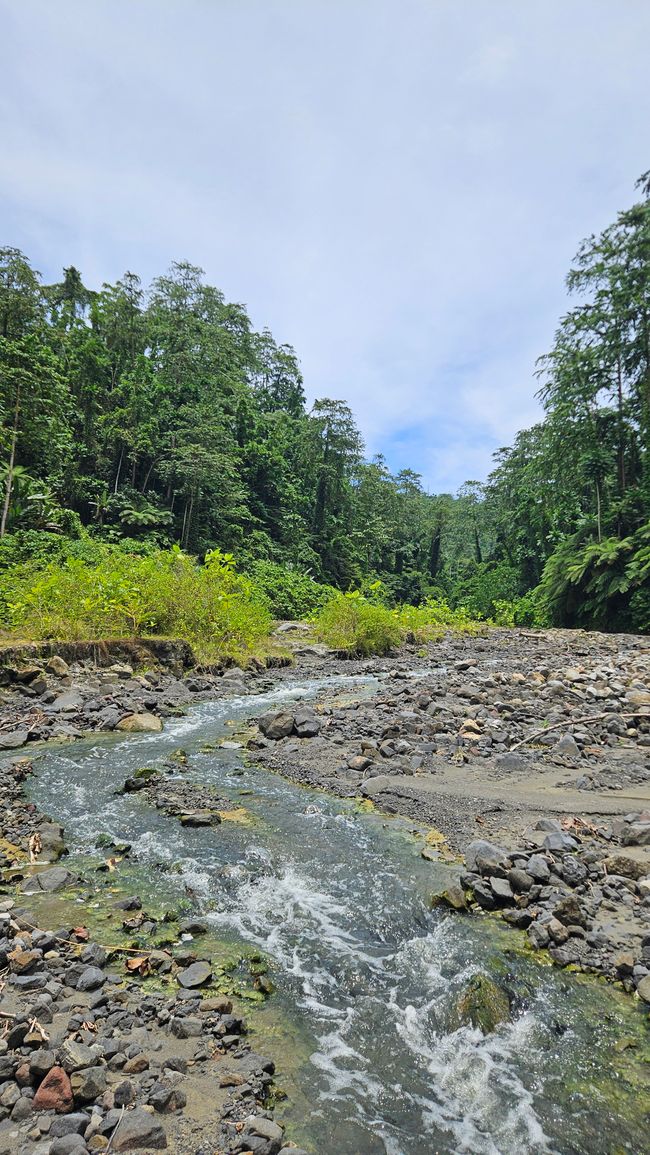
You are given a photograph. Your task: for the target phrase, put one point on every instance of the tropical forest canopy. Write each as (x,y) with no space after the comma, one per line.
(148,417)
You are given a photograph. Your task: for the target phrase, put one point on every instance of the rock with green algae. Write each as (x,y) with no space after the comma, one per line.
(483,1004)
(452,896)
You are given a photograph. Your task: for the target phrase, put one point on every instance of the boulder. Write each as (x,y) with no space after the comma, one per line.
(483,1004)
(14,740)
(57,666)
(643,989)
(70,701)
(452,896)
(138,1129)
(483,856)
(48,880)
(196,975)
(276,725)
(88,1084)
(627,867)
(140,724)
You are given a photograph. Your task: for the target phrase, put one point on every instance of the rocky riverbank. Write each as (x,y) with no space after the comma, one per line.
(527,752)
(541,741)
(103,1047)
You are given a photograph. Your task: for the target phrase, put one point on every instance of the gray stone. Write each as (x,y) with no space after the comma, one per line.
(187,1027)
(74,1056)
(637,834)
(70,701)
(68,1144)
(88,1084)
(137,1129)
(91,979)
(484,856)
(502,889)
(559,842)
(74,1124)
(13,740)
(264,1128)
(643,989)
(276,725)
(48,880)
(196,975)
(538,868)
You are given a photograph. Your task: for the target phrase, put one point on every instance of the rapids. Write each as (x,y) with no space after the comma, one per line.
(367,976)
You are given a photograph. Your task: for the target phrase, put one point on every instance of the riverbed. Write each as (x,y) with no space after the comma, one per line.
(367,976)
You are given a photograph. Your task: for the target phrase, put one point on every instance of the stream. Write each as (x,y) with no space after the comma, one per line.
(366,976)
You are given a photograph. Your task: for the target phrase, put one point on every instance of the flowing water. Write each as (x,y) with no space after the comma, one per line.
(367,976)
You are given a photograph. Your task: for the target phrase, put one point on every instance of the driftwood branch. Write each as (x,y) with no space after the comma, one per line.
(573,722)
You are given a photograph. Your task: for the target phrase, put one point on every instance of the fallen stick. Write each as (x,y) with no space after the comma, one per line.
(573,722)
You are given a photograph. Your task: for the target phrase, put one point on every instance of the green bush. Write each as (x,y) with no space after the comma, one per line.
(428,622)
(356,627)
(289,592)
(121,594)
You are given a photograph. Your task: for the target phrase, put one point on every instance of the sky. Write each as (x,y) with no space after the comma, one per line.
(394,187)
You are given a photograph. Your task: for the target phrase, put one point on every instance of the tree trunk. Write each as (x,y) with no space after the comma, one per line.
(10,471)
(119,470)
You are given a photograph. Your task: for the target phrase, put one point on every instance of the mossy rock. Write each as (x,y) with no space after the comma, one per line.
(452,896)
(483,1004)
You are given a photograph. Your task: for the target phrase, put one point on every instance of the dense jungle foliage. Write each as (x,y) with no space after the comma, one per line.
(142,428)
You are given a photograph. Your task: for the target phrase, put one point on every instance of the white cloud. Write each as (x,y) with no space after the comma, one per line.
(394,186)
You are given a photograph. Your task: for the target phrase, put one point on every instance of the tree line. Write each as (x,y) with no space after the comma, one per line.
(159,416)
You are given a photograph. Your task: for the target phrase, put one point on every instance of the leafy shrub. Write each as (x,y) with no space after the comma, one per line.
(354,626)
(351,623)
(432,620)
(289,592)
(121,594)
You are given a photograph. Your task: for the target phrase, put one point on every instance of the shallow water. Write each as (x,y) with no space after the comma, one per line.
(367,977)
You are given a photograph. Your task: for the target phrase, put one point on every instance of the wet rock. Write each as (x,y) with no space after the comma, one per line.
(200,818)
(483,1004)
(48,880)
(452,896)
(196,975)
(54,1093)
(140,724)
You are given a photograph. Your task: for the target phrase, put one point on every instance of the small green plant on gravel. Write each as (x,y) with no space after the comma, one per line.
(354,626)
(430,621)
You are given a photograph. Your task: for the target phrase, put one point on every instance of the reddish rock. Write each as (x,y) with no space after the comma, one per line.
(54,1093)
